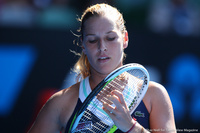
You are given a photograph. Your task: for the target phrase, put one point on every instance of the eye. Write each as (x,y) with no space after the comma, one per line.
(92,41)
(111,38)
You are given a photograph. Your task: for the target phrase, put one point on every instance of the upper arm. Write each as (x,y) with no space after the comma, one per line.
(56,112)
(161,115)
(47,120)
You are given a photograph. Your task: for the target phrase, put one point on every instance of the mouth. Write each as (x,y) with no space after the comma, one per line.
(103,59)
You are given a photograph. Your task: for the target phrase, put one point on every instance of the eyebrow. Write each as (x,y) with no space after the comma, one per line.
(106,33)
(90,35)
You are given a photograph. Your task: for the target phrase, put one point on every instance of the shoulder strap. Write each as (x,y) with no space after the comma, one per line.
(78,105)
(84,89)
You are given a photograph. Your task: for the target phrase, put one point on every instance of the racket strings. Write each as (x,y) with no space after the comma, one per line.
(113,85)
(120,83)
(95,108)
(97,125)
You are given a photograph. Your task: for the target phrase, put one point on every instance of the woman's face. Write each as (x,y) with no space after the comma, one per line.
(103,43)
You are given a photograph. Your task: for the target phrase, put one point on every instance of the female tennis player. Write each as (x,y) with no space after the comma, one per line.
(103,40)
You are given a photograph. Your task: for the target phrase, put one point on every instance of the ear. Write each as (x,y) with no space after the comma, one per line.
(82,45)
(125,44)
(83,49)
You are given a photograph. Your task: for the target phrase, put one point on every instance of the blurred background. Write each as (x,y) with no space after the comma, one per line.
(36,37)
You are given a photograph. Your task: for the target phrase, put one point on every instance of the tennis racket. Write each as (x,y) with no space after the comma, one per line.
(131,80)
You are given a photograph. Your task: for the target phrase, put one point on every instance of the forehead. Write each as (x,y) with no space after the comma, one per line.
(100,24)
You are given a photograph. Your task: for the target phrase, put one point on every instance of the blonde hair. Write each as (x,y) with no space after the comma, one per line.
(82,66)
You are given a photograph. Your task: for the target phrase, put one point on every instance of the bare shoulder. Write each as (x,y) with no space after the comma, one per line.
(157,90)
(156,95)
(65,94)
(159,106)
(57,110)
(64,101)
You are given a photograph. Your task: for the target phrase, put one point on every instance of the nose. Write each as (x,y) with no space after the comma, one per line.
(102,45)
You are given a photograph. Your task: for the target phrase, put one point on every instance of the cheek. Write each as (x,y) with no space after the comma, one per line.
(89,51)
(86,50)
(120,45)
(120,50)
(89,54)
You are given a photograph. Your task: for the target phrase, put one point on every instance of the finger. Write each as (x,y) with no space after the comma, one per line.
(120,97)
(109,109)
(116,101)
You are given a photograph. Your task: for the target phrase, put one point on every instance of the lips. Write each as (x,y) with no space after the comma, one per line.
(103,59)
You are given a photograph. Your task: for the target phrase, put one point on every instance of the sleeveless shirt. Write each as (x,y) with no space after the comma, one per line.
(141,113)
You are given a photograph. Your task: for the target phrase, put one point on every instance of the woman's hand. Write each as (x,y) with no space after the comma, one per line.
(120,113)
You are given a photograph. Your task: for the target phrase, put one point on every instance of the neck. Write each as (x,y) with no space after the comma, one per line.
(95,80)
(96,77)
